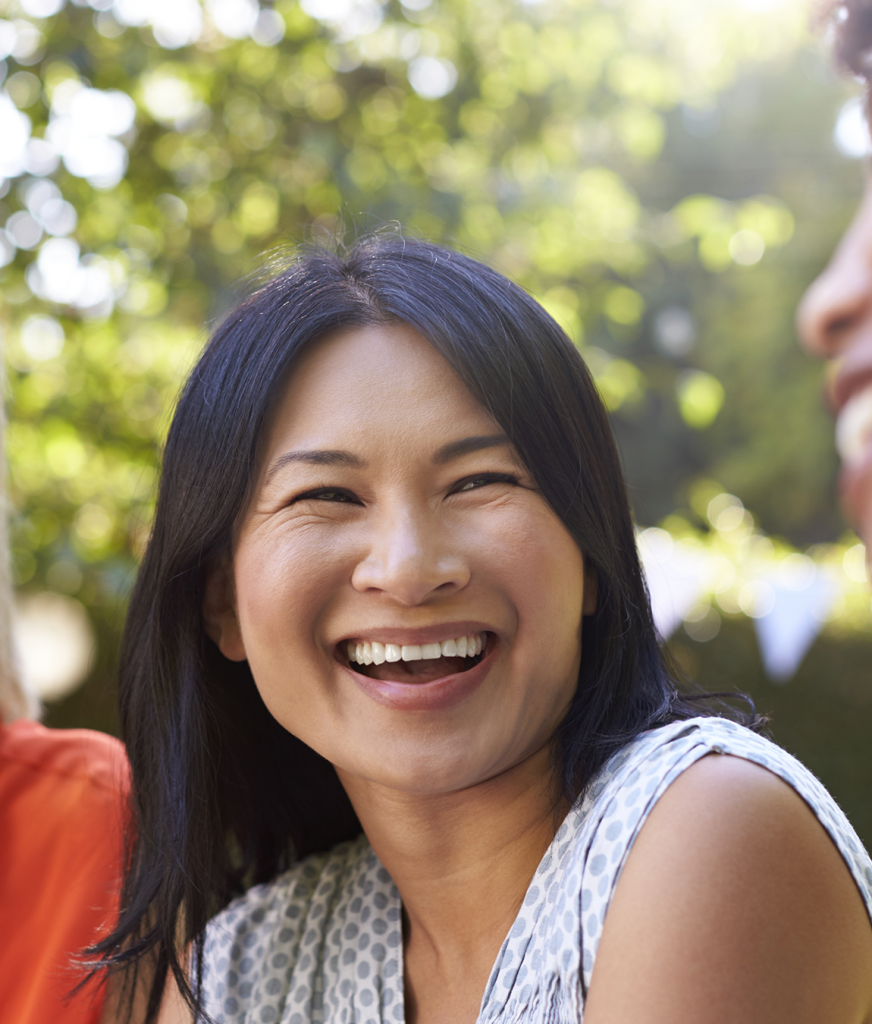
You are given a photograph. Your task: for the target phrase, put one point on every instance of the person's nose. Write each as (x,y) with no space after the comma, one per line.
(834,306)
(840,299)
(411,557)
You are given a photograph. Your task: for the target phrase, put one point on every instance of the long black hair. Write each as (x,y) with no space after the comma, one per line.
(223,796)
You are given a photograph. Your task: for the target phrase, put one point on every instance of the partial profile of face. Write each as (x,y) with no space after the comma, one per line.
(835,323)
(409,604)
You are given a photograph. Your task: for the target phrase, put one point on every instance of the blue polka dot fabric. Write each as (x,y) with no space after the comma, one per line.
(322,944)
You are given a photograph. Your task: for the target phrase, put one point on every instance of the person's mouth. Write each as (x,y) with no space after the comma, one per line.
(415,663)
(854,427)
(854,445)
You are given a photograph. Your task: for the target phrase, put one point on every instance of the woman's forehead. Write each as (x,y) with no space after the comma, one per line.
(375,380)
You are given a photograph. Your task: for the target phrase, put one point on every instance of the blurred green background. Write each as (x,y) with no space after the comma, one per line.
(661,174)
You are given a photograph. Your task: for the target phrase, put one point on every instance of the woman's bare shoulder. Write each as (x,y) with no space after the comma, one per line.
(734,905)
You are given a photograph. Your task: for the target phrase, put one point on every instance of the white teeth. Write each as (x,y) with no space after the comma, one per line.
(375,653)
(854,427)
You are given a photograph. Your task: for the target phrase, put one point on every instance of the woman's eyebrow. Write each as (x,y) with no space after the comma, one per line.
(316,457)
(338,457)
(467,445)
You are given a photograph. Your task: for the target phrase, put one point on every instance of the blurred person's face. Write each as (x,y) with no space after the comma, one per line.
(835,323)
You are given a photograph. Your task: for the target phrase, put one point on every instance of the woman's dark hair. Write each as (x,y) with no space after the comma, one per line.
(223,796)
(851,21)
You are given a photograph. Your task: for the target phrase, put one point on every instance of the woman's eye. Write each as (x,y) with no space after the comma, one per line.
(329,494)
(473,483)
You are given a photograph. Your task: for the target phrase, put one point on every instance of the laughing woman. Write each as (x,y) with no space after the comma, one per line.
(397,714)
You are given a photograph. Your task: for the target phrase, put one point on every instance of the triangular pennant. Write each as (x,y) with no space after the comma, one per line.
(790,627)
(673,573)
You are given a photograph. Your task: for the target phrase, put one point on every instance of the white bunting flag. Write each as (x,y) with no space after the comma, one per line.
(790,626)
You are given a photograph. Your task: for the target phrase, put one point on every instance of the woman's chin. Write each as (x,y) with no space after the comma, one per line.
(443,763)
(420,771)
(855,491)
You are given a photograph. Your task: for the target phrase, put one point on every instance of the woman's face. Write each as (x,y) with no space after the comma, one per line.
(835,322)
(392,524)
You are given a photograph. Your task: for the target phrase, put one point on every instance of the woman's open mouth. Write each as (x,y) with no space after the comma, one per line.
(416,663)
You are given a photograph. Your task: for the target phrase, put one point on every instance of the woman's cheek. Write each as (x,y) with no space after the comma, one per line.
(283,584)
(535,549)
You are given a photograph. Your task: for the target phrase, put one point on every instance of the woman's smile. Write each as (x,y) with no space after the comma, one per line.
(416,663)
(424,684)
(397,557)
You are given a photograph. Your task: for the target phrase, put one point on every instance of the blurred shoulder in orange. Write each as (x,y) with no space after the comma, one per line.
(63,796)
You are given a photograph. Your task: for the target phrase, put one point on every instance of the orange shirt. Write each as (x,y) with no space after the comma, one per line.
(62,798)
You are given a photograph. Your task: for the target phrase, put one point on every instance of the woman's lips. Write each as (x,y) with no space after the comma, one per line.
(417,687)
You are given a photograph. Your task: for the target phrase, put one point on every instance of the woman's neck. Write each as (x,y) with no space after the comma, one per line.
(462,862)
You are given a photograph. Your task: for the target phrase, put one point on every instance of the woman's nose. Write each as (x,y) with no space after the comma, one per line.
(411,558)
(840,300)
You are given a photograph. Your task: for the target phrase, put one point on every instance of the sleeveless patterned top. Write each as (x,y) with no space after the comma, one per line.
(322,943)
